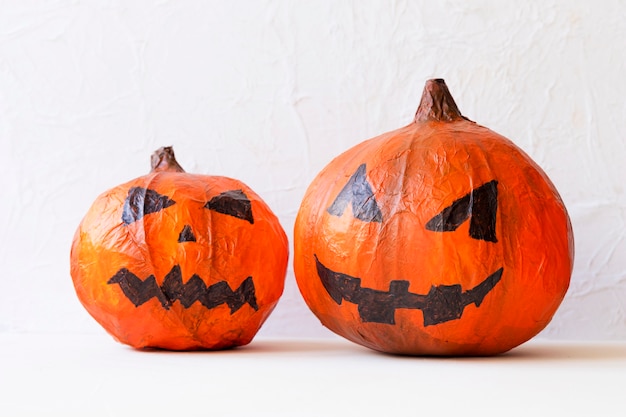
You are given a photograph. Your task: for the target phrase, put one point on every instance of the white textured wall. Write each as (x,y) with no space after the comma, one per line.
(270,91)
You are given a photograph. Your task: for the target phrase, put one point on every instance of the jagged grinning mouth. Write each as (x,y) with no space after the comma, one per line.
(173,289)
(442,303)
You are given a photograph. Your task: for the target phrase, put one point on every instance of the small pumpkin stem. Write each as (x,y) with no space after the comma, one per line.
(437,104)
(163,160)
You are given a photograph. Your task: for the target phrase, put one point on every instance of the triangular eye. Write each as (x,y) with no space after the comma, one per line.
(141,201)
(479,205)
(233,203)
(357,192)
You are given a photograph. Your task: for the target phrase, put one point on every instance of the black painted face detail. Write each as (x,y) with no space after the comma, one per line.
(442,303)
(480,206)
(233,203)
(141,201)
(173,289)
(186,235)
(357,192)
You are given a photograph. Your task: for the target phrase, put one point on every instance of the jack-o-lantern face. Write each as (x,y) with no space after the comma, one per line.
(443,302)
(440,238)
(142,201)
(180,261)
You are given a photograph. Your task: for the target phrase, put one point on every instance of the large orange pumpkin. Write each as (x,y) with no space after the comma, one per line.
(179,261)
(439,238)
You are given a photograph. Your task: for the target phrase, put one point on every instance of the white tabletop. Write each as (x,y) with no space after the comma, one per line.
(91,375)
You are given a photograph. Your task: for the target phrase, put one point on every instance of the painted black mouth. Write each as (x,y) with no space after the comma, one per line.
(173,289)
(442,303)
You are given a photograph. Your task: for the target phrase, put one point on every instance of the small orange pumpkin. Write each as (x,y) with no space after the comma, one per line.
(439,238)
(179,261)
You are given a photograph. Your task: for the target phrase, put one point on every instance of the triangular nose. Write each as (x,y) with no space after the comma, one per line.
(186,235)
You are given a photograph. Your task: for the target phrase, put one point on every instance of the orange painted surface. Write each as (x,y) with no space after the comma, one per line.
(414,174)
(223,249)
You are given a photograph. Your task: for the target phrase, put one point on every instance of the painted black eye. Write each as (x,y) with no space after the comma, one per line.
(232,203)
(479,205)
(357,192)
(141,201)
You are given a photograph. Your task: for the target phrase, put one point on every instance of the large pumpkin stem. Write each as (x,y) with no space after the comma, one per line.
(163,160)
(437,104)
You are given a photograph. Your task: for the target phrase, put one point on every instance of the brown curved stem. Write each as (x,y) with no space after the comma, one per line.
(437,103)
(163,160)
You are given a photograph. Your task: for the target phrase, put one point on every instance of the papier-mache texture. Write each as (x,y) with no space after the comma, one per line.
(179,261)
(439,238)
